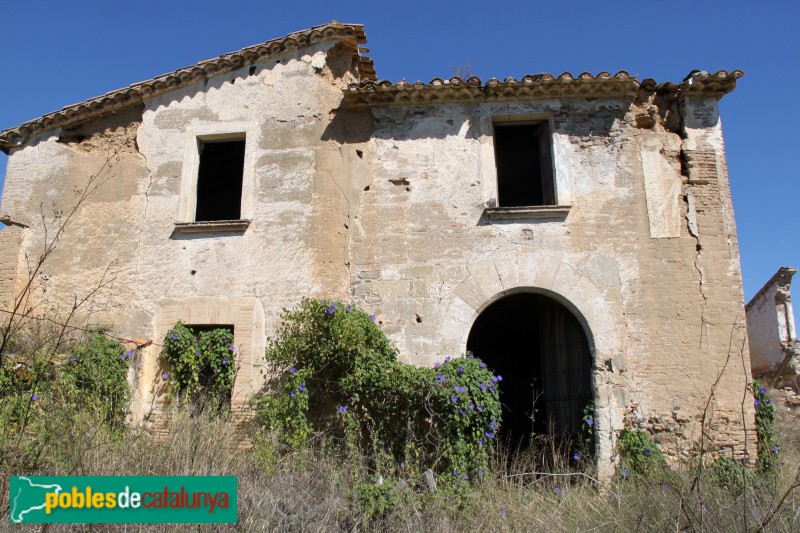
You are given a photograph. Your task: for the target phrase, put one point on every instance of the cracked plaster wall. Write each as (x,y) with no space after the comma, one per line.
(385,207)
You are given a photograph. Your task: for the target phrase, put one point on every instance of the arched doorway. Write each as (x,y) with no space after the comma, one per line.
(542,352)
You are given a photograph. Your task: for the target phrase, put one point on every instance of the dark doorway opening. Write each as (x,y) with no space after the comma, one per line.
(541,350)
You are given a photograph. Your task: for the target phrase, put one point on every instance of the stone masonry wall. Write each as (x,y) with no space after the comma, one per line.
(10,241)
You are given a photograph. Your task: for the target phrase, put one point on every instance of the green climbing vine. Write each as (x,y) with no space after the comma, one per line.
(339,377)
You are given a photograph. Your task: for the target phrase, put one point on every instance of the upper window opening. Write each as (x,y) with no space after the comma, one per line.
(219,180)
(524,164)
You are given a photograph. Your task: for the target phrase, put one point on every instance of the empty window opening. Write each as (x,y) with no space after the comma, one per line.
(541,350)
(524,164)
(219,180)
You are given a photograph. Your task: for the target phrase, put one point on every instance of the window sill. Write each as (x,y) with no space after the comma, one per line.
(213,226)
(528,212)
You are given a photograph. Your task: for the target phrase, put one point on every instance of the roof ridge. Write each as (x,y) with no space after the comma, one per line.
(137,92)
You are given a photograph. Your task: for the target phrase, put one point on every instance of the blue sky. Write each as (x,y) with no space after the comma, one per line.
(59,53)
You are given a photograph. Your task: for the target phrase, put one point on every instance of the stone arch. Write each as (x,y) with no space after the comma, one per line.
(548,273)
(542,349)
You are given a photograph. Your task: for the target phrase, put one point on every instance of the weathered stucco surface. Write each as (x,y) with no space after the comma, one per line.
(384,205)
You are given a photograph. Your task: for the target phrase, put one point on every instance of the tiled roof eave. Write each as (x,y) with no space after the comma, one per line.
(532,87)
(411,95)
(138,92)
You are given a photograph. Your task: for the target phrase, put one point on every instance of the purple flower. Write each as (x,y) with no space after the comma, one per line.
(480,441)
(756,403)
(331,310)
(347,308)
(482,364)
(557,490)
(174,337)
(224,360)
(215,370)
(483,386)
(576,456)
(480,408)
(453,399)
(73,358)
(462,411)
(494,379)
(441,378)
(34,397)
(499,378)
(589,422)
(489,434)
(292,394)
(232,348)
(342,410)
(301,387)
(333,304)
(624,474)
(647,452)
(460,370)
(372,317)
(197,352)
(123,357)
(164,376)
(665,487)
(768,401)
(480,474)
(503,513)
(292,370)
(774,449)
(437,364)
(455,472)
(447,359)
(762,390)
(471,406)
(492,424)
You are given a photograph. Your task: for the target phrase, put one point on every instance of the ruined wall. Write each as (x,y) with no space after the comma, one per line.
(10,241)
(124,236)
(646,257)
(770,323)
(388,206)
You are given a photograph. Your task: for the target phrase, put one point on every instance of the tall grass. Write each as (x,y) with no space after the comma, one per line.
(315,489)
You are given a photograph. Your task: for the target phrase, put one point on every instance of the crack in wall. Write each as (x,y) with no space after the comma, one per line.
(691,225)
(143,219)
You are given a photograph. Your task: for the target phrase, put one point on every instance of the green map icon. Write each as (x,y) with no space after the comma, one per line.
(27,499)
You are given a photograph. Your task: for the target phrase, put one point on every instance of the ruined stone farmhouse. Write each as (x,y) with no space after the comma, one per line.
(774,348)
(576,232)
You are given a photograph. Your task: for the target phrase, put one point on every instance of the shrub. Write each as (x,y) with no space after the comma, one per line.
(45,399)
(200,362)
(730,474)
(639,455)
(339,376)
(98,370)
(765,428)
